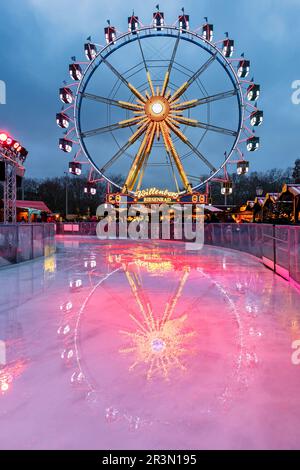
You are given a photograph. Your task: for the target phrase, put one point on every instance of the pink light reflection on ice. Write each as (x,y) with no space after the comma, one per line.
(159,348)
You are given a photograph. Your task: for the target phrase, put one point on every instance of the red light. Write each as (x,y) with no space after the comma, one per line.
(9,141)
(3,137)
(16,145)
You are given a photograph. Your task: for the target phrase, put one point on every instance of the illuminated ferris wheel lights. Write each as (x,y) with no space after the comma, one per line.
(65,145)
(75,284)
(256,118)
(3,137)
(110,34)
(228,47)
(16,145)
(226,188)
(158,20)
(90,189)
(75,168)
(243,68)
(184,23)
(66,95)
(75,72)
(252,144)
(62,120)
(242,167)
(253,92)
(208,31)
(133,24)
(90,51)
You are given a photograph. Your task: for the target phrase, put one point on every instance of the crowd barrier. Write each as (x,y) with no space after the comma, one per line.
(278,246)
(23,242)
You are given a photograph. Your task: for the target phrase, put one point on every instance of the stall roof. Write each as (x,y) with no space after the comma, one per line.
(259,200)
(212,209)
(294,189)
(271,196)
(36,205)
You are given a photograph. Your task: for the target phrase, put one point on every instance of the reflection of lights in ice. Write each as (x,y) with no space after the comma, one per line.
(64,330)
(254,332)
(134,423)
(158,345)
(92,397)
(251,308)
(2,352)
(155,266)
(251,359)
(67,354)
(163,354)
(76,284)
(50,264)
(90,264)
(241,287)
(111,414)
(77,377)
(4,386)
(66,307)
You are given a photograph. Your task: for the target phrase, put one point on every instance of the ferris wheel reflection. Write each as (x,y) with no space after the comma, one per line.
(158,343)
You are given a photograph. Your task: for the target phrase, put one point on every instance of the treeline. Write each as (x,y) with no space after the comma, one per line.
(245,186)
(53,190)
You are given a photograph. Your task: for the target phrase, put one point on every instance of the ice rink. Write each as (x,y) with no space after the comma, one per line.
(126,345)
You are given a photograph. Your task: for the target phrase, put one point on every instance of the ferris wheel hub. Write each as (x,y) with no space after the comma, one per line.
(157,108)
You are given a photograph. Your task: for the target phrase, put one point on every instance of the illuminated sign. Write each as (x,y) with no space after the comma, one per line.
(154,192)
(156,196)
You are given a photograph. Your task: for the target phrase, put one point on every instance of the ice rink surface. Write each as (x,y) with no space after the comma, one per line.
(125,345)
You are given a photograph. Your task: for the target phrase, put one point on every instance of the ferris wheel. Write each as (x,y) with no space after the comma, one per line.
(159,105)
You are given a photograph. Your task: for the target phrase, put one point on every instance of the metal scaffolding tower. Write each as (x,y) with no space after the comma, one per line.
(10,193)
(12,168)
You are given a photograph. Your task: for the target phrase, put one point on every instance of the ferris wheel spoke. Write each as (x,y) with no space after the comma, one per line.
(146,66)
(202,125)
(169,158)
(145,155)
(123,80)
(120,104)
(208,99)
(125,147)
(184,139)
(115,157)
(168,73)
(137,160)
(170,147)
(193,78)
(112,127)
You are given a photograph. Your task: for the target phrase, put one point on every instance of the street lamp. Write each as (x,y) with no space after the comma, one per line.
(259,191)
(67,180)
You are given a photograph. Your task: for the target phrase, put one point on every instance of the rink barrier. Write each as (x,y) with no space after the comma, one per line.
(278,246)
(23,242)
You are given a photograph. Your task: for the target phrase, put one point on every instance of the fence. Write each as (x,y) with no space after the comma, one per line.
(22,242)
(277,245)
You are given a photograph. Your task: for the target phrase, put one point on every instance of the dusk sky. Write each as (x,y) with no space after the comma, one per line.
(38,37)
